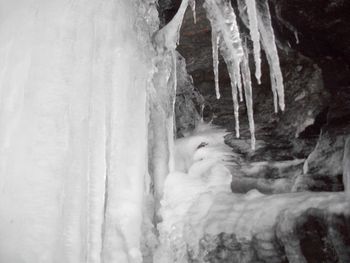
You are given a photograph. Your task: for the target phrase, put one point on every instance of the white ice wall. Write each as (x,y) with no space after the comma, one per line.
(73,128)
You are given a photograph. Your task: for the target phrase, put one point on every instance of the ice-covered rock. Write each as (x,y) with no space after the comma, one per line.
(203,221)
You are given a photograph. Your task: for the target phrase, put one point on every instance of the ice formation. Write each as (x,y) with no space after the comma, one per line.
(162,100)
(224,26)
(198,205)
(87,93)
(215,40)
(200,160)
(168,37)
(248,93)
(193,7)
(226,37)
(269,45)
(255,35)
(74,78)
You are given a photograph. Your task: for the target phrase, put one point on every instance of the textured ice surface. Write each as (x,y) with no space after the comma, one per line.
(200,162)
(73,129)
(198,203)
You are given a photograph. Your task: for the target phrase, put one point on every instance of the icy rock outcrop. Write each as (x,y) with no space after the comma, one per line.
(203,221)
(189,101)
(269,177)
(323,168)
(310,235)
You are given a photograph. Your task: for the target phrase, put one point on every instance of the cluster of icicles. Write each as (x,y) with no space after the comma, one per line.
(227,40)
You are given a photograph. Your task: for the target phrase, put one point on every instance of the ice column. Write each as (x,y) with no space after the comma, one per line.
(162,99)
(73,128)
(161,127)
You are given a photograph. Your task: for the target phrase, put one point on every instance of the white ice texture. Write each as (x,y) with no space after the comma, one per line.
(73,129)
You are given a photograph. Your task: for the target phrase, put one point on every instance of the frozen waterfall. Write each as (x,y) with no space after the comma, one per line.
(89,165)
(74,81)
(86,110)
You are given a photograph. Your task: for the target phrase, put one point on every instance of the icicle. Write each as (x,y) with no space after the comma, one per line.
(346,168)
(248,94)
(285,23)
(223,21)
(234,98)
(255,36)
(202,113)
(268,41)
(215,45)
(274,91)
(296,36)
(193,7)
(239,83)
